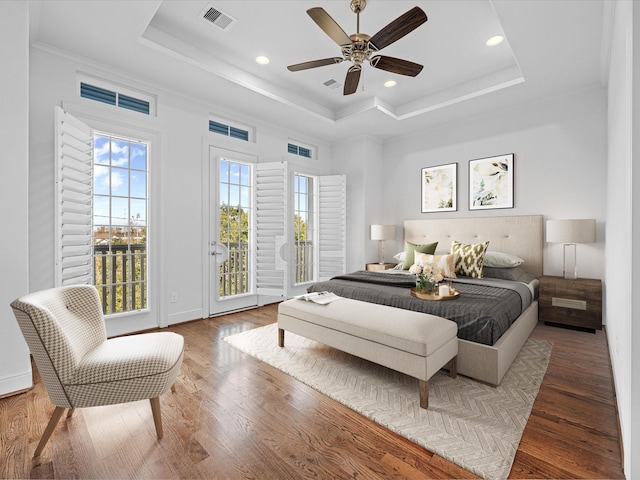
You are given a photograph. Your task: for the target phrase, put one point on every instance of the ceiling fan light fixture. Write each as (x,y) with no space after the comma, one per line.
(262,60)
(495,40)
(390,83)
(359,47)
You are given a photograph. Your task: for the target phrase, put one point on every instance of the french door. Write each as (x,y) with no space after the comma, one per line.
(231,233)
(250,231)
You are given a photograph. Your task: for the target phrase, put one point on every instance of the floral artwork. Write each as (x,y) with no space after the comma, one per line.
(439,188)
(491,182)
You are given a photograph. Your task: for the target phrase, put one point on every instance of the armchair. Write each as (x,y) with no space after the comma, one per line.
(65,330)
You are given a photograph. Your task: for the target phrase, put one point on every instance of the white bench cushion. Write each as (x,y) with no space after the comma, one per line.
(418,333)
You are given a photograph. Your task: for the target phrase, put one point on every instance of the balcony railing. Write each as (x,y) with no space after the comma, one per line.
(120,275)
(234,273)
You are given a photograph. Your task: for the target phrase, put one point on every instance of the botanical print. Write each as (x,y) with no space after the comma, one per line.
(491,182)
(439,188)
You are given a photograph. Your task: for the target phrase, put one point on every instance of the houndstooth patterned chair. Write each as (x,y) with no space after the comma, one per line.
(65,330)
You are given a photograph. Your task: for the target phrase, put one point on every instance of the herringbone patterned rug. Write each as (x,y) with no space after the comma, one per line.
(469,423)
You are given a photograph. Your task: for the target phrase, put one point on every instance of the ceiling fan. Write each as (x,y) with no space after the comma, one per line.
(359,47)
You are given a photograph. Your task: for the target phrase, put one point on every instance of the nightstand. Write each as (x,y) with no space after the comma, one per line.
(379,267)
(573,303)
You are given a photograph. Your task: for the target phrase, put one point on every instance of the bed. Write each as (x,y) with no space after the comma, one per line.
(486,349)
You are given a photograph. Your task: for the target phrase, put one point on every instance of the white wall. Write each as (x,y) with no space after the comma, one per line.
(15,364)
(360,159)
(623,214)
(559,167)
(182,130)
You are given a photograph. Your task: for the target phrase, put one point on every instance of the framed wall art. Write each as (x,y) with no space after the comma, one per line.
(439,188)
(491,182)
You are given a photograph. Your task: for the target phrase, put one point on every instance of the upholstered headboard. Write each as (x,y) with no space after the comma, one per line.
(517,235)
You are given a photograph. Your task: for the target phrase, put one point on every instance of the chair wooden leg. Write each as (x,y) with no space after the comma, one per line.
(173,388)
(51,426)
(157,416)
(70,412)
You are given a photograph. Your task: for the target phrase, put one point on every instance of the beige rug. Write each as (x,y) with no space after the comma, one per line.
(469,423)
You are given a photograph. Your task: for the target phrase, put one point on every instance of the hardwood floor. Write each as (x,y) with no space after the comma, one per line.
(235,417)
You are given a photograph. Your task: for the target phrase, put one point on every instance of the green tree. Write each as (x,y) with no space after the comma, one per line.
(300,229)
(234,224)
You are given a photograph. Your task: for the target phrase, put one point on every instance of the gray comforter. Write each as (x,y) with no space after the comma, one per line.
(485,309)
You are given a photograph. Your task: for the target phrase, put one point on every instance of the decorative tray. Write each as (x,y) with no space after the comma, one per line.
(431,296)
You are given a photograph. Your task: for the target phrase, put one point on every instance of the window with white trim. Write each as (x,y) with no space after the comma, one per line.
(303,228)
(116,95)
(230,129)
(120,226)
(297,148)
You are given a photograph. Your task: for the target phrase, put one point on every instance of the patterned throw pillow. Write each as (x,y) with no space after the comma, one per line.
(445,262)
(469,258)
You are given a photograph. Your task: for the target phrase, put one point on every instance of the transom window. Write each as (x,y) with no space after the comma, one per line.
(120,227)
(300,149)
(117,95)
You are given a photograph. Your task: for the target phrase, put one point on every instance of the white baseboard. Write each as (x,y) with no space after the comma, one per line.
(185,316)
(16,383)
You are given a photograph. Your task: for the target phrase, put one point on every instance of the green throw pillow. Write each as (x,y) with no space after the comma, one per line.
(411,248)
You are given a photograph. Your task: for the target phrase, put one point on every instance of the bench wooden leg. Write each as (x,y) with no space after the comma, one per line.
(453,367)
(424,393)
(280,337)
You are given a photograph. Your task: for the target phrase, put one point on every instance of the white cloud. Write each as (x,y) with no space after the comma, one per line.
(116,180)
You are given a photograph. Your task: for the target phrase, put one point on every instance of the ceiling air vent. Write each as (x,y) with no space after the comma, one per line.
(331,83)
(218,18)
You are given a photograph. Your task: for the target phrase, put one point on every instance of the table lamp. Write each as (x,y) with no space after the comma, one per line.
(571,232)
(382,233)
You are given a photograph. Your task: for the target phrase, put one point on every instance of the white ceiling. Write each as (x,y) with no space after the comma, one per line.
(552,47)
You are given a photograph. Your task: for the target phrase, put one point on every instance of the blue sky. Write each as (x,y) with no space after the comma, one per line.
(120,181)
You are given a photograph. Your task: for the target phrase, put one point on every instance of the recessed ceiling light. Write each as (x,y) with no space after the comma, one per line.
(262,60)
(390,83)
(493,41)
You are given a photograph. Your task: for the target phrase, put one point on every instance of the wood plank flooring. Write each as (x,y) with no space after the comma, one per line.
(234,417)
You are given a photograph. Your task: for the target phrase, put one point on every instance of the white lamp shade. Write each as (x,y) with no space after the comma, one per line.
(571,231)
(383,232)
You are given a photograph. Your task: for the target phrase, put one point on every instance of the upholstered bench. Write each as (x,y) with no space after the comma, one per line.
(414,343)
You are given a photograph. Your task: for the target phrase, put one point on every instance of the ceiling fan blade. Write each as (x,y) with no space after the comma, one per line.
(396,65)
(352,80)
(314,63)
(397,29)
(329,26)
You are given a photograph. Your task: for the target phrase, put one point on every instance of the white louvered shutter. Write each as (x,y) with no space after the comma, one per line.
(271,207)
(74,200)
(332,226)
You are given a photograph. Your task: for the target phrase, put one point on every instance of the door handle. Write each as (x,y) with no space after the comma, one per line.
(215,253)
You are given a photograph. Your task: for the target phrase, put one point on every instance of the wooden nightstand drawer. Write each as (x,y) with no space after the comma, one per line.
(575,303)
(379,267)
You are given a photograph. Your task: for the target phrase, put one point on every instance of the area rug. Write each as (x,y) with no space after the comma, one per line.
(471,424)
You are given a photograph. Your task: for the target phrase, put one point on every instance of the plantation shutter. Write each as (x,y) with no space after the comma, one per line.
(271,207)
(73,200)
(332,226)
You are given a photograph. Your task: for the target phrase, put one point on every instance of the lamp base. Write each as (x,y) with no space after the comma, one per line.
(570,265)
(380,252)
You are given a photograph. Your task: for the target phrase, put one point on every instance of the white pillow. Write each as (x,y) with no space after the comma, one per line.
(400,256)
(501,260)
